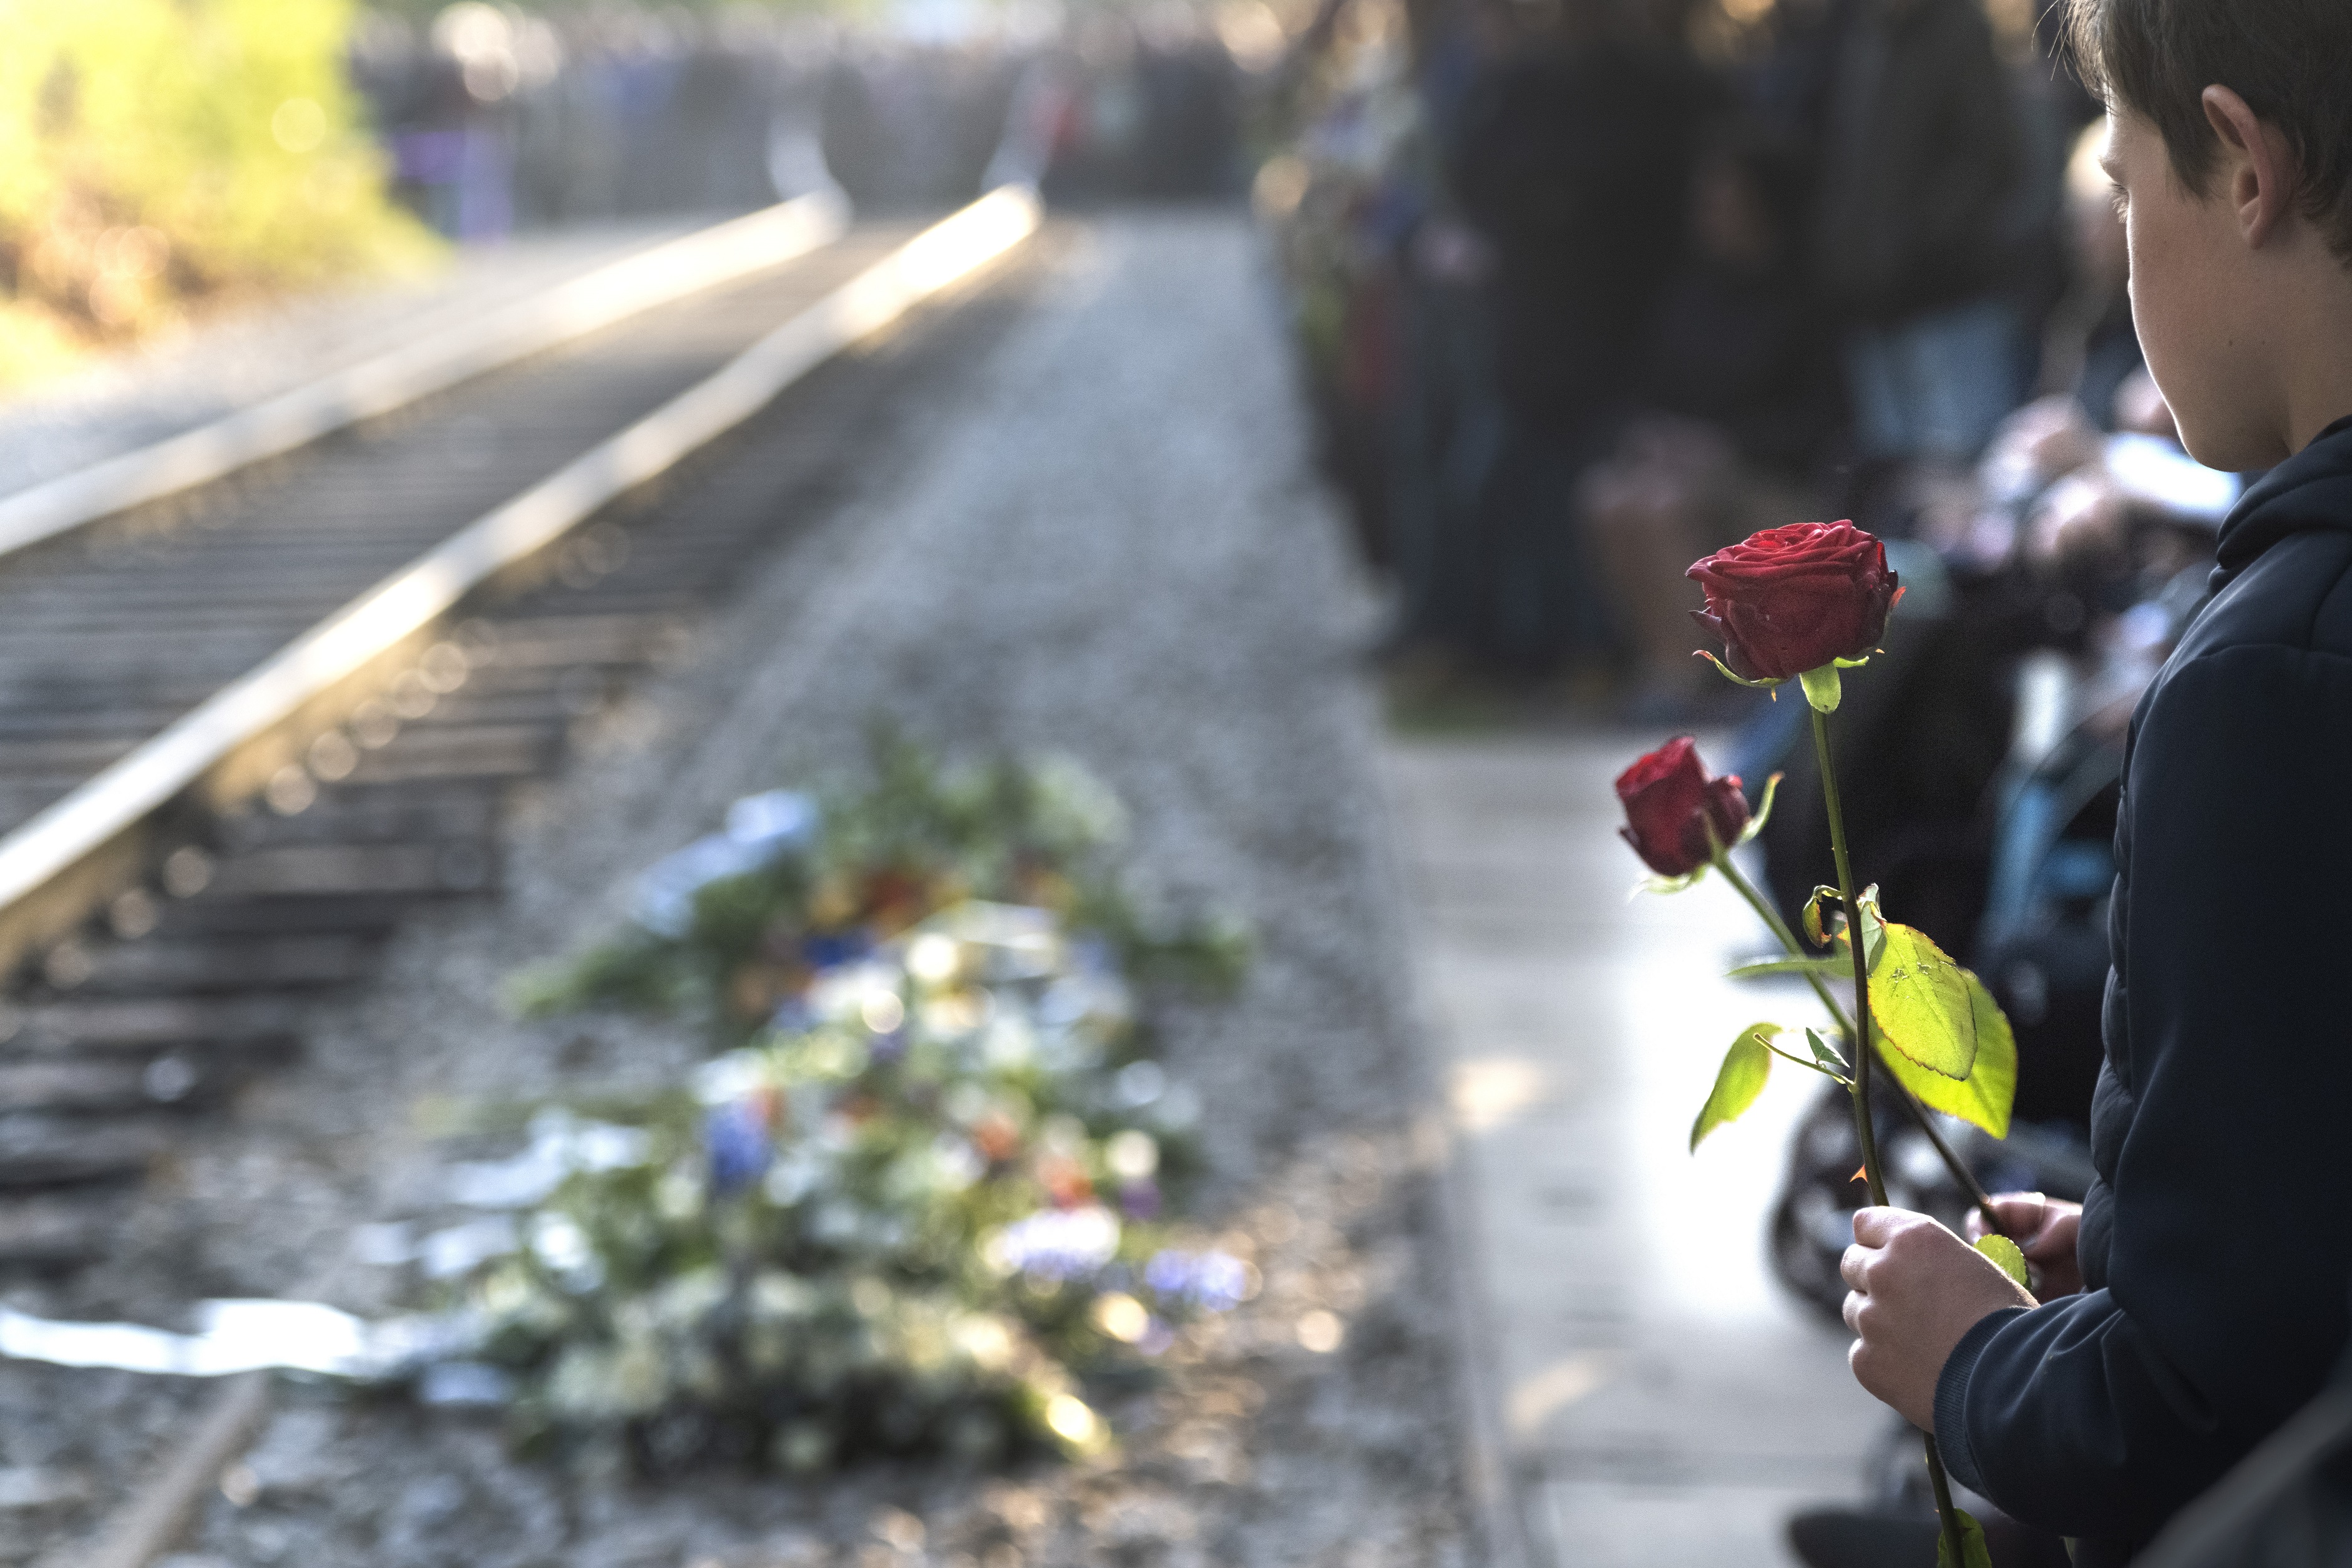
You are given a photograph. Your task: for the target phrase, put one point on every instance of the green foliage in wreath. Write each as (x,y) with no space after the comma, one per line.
(919,1203)
(868,864)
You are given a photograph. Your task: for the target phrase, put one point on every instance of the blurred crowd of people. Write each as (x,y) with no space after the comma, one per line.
(497,119)
(1592,286)
(1590,289)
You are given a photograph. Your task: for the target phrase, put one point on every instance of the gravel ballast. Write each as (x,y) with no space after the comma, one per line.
(1103,538)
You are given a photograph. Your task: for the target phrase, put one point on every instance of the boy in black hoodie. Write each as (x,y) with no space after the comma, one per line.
(2200,1295)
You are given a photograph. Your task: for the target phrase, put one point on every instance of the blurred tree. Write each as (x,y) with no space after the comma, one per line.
(155,152)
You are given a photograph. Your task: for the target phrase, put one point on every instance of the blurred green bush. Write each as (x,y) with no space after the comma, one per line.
(156,153)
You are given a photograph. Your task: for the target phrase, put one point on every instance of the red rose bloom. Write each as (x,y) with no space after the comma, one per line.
(1670,803)
(1793,599)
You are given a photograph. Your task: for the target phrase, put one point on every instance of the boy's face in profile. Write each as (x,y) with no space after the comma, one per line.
(2243,299)
(2190,294)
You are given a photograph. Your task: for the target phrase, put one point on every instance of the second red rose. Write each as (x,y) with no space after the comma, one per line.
(1671,805)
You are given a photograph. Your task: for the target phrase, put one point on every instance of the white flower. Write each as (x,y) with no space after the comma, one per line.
(723,1080)
(843,995)
(561,1244)
(1061,1243)
(678,1195)
(1008,1043)
(795,1176)
(1131,1156)
(958,1163)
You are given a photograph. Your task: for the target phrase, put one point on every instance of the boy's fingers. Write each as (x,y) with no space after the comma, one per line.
(2026,1206)
(2016,1215)
(1872,1226)
(2028,1215)
(2055,1239)
(1851,1265)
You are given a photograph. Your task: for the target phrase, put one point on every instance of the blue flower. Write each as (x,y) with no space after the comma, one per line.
(1218,1282)
(829,950)
(735,1139)
(760,829)
(1169,1271)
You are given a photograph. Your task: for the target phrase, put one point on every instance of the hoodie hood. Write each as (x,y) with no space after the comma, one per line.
(2312,489)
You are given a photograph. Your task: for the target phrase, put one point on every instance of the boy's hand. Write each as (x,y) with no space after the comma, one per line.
(2044,1230)
(1916,1289)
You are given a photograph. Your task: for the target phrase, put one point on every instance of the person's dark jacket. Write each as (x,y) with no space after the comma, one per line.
(2217,1240)
(1745,350)
(1920,159)
(1575,165)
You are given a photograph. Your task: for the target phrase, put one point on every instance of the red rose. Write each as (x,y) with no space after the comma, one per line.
(1670,803)
(1793,599)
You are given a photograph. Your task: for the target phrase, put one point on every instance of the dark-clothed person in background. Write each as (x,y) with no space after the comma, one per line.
(1915,229)
(1574,161)
(1740,398)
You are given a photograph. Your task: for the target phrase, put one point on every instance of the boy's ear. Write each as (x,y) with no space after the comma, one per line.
(2258,173)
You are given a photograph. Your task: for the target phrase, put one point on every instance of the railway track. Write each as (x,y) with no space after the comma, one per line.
(250,724)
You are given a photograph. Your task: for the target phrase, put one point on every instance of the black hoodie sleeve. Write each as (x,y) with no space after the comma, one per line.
(2229,1232)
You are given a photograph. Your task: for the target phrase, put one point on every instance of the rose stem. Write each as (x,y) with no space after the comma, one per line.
(1860,1088)
(1944,1512)
(1855,943)
(1926,1123)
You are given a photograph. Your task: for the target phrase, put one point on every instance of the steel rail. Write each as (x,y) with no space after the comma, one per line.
(145,1524)
(659,275)
(99,813)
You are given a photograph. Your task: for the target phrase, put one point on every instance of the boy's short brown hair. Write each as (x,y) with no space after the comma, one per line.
(2290,60)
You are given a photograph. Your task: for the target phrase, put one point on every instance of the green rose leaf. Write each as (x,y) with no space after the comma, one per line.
(1742,1078)
(1823,688)
(1983,1098)
(1824,1055)
(1873,928)
(1921,1000)
(1973,1552)
(1813,916)
(1829,966)
(2006,1253)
